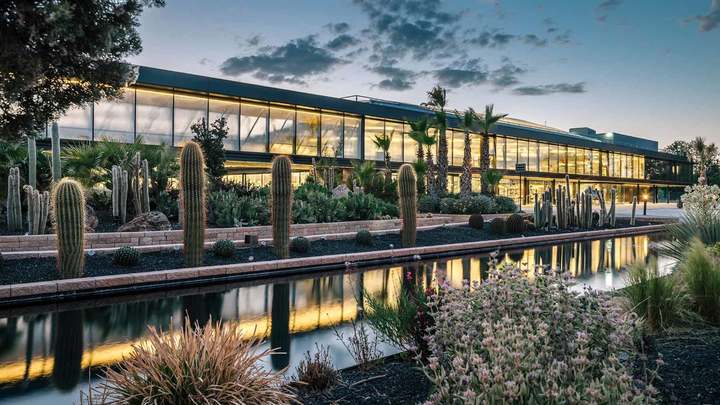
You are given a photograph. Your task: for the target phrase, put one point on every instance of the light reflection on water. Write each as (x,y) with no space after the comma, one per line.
(44,355)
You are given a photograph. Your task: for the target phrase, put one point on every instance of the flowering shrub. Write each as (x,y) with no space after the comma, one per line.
(702,200)
(513,340)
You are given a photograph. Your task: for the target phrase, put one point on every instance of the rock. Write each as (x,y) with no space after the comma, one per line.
(149,221)
(91,220)
(340,191)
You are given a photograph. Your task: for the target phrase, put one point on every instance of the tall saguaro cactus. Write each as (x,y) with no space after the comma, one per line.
(407,195)
(192,202)
(632,214)
(56,167)
(281,190)
(32,161)
(69,211)
(145,172)
(119,193)
(37,210)
(14,207)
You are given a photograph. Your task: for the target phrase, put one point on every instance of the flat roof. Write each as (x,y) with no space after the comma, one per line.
(154,77)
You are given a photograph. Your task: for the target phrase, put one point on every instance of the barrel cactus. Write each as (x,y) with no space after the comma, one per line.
(14,205)
(364,237)
(68,205)
(497,226)
(224,248)
(192,202)
(407,198)
(281,190)
(300,244)
(515,223)
(476,221)
(126,256)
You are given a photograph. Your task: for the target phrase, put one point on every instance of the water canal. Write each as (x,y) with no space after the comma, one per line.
(45,355)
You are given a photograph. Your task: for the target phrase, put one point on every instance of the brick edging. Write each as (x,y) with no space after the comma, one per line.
(73,286)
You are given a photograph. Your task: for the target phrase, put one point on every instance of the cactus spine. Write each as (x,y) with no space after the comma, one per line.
(192,201)
(632,214)
(119,193)
(407,195)
(14,205)
(37,210)
(56,167)
(69,212)
(281,205)
(145,186)
(32,161)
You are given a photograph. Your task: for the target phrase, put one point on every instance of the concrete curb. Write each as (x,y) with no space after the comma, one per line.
(63,289)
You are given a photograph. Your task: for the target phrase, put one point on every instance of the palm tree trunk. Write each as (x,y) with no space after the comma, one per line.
(442,161)
(466,176)
(484,161)
(388,172)
(430,174)
(420,152)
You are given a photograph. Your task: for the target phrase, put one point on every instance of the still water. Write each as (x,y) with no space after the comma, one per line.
(46,353)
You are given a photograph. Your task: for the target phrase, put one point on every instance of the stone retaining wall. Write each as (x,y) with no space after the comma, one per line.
(45,243)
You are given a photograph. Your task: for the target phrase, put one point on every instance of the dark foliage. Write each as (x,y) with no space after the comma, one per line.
(316,373)
(476,221)
(211,140)
(224,248)
(364,237)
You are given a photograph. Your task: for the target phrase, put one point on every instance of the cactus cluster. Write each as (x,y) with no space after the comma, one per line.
(68,205)
(584,209)
(140,183)
(192,202)
(543,211)
(56,167)
(119,193)
(572,213)
(407,196)
(281,194)
(38,206)
(14,204)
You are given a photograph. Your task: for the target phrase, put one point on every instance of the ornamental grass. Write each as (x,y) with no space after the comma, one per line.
(532,340)
(214,364)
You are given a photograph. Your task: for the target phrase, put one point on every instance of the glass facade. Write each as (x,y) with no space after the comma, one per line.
(308,133)
(115,120)
(331,135)
(253,128)
(282,128)
(231,112)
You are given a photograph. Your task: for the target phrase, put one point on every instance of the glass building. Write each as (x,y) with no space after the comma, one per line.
(264,121)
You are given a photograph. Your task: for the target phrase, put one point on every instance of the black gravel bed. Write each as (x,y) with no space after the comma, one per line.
(395,381)
(691,371)
(44,269)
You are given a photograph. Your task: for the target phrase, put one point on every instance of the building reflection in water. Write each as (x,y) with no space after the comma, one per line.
(44,352)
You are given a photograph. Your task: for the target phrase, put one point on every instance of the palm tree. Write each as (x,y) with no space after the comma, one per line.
(704,155)
(429,142)
(421,168)
(491,179)
(418,131)
(487,123)
(364,173)
(467,122)
(437,99)
(383,142)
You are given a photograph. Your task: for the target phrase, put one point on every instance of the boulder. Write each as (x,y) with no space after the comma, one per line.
(91,220)
(149,221)
(340,191)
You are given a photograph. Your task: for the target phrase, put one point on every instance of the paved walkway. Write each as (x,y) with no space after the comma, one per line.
(660,210)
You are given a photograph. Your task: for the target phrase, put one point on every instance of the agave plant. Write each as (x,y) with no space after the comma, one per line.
(364,173)
(693,225)
(487,123)
(491,179)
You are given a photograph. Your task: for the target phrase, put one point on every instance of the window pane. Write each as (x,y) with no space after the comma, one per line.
(308,131)
(571,152)
(580,161)
(331,135)
(554,158)
(188,111)
(114,120)
(523,152)
(282,122)
(253,128)
(476,152)
(457,148)
(616,165)
(544,157)
(500,148)
(562,154)
(595,162)
(394,130)
(351,138)
(410,147)
(533,156)
(373,128)
(76,123)
(231,111)
(510,153)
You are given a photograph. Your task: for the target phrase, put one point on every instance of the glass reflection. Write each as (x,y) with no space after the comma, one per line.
(188,111)
(154,116)
(231,112)
(253,128)
(115,120)
(282,128)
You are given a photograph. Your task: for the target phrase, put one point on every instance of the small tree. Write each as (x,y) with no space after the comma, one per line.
(704,155)
(63,53)
(492,178)
(211,140)
(383,142)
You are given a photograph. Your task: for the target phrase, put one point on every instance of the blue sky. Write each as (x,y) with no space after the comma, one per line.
(641,67)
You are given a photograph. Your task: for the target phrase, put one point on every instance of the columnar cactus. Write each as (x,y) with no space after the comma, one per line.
(56,167)
(281,189)
(603,209)
(145,186)
(407,196)
(632,214)
(119,193)
(32,161)
(14,205)
(38,205)
(192,202)
(69,211)
(611,213)
(136,189)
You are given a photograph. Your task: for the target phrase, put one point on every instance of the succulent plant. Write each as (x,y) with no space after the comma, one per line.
(364,237)
(38,207)
(32,161)
(224,248)
(68,205)
(476,221)
(56,165)
(407,197)
(192,202)
(300,244)
(14,204)
(515,223)
(126,256)
(281,191)
(497,226)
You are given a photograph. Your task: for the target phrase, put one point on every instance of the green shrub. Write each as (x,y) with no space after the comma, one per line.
(450,205)
(515,224)
(659,301)
(523,341)
(364,237)
(167,203)
(427,203)
(224,248)
(126,256)
(362,206)
(477,204)
(300,244)
(476,221)
(316,373)
(497,226)
(505,205)
(315,204)
(701,273)
(230,209)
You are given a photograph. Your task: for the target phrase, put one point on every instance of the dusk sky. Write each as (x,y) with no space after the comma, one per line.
(648,68)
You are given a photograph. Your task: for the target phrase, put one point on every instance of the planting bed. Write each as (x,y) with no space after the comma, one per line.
(44,269)
(396,381)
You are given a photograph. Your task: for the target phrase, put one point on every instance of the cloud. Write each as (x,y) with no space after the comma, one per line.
(545,89)
(293,62)
(467,73)
(254,40)
(491,39)
(395,78)
(341,42)
(605,7)
(506,75)
(338,28)
(532,39)
(711,20)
